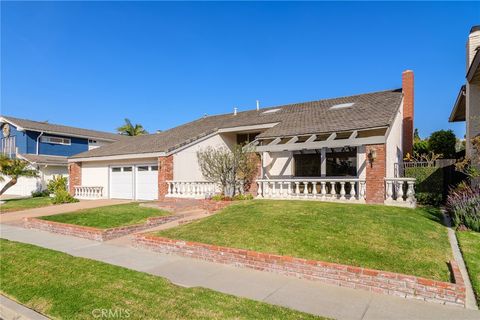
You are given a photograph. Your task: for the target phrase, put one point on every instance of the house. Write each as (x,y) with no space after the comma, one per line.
(467,104)
(341,149)
(46,146)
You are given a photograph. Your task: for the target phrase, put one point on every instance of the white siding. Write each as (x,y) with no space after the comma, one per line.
(394,148)
(185,162)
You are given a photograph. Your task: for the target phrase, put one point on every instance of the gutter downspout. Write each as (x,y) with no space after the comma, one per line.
(38,140)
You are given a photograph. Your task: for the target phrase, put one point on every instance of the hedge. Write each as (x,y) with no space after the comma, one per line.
(429,184)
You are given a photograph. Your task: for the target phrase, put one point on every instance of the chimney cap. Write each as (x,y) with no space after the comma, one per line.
(475,28)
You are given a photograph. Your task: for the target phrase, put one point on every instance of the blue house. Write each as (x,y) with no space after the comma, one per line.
(46,146)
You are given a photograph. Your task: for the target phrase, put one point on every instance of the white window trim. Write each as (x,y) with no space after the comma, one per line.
(48,139)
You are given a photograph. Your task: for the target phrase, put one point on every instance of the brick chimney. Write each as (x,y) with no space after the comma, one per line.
(407,89)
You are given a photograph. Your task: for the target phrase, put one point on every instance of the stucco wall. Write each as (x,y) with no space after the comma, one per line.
(185,163)
(394,152)
(277,164)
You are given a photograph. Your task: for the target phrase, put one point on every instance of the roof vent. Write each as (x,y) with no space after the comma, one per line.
(342,105)
(234,111)
(270,111)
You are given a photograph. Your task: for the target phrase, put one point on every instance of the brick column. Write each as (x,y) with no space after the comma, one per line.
(253,187)
(165,173)
(408,96)
(75,176)
(375,174)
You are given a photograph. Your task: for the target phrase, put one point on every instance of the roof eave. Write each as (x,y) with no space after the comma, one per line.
(458,107)
(474,67)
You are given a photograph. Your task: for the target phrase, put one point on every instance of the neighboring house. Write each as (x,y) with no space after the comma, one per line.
(46,146)
(467,104)
(343,149)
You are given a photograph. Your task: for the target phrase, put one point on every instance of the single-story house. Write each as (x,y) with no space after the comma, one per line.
(340,149)
(467,104)
(46,146)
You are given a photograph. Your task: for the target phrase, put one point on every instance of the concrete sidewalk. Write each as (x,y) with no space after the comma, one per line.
(16,217)
(308,296)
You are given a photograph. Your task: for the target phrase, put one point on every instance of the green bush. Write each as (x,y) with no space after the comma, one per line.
(428,185)
(238,197)
(57,183)
(42,193)
(62,196)
(243,197)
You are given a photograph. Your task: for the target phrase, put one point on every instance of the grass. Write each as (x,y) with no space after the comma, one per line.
(469,242)
(23,204)
(66,287)
(108,216)
(378,237)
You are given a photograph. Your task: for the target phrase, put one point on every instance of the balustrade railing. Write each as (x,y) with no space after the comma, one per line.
(400,191)
(191,189)
(327,189)
(85,192)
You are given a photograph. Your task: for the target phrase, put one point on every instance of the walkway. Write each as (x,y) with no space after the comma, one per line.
(16,217)
(308,296)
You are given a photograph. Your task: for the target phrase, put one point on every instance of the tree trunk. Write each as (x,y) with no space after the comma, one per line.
(8,185)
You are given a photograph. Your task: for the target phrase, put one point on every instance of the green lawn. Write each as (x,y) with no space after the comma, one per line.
(470,245)
(66,287)
(23,204)
(379,237)
(109,216)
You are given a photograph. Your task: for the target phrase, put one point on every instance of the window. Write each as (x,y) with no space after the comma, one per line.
(307,165)
(127,169)
(154,168)
(143,168)
(116,169)
(55,140)
(342,162)
(92,141)
(244,138)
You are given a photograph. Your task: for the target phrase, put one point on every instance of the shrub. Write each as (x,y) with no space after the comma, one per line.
(62,196)
(40,193)
(238,197)
(243,197)
(443,142)
(428,185)
(463,204)
(57,183)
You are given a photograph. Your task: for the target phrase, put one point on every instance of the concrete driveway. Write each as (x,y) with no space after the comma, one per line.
(17,216)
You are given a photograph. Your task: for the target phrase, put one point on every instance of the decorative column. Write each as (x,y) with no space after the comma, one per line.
(375,173)
(165,173)
(75,176)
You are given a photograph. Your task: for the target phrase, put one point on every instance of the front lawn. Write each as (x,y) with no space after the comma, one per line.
(109,216)
(23,204)
(469,242)
(372,236)
(65,287)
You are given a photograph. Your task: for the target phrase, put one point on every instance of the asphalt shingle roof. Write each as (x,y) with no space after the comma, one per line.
(43,159)
(64,130)
(369,110)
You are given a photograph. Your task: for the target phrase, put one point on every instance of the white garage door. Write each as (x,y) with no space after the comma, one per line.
(146,182)
(121,182)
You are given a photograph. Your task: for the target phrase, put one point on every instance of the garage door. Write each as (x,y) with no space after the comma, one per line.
(146,182)
(121,182)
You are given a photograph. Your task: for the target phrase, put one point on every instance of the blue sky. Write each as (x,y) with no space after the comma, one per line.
(91,64)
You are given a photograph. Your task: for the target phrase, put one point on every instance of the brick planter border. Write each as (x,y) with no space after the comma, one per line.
(384,282)
(92,233)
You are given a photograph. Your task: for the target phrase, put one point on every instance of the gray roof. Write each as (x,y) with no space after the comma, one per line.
(369,110)
(64,130)
(42,159)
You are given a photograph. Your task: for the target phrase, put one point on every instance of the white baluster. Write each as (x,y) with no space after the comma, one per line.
(411,191)
(314,190)
(400,191)
(297,188)
(342,190)
(281,189)
(323,189)
(259,189)
(333,192)
(353,193)
(363,190)
(289,189)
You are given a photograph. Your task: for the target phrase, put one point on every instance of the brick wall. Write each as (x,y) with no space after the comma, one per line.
(75,176)
(95,233)
(408,103)
(405,286)
(375,174)
(165,173)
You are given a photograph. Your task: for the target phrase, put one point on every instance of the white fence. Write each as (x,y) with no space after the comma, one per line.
(400,192)
(88,193)
(191,189)
(327,189)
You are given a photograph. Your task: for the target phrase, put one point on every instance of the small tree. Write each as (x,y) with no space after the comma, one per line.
(443,142)
(128,129)
(14,169)
(233,169)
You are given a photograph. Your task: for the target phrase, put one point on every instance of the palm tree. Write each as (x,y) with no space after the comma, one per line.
(129,129)
(14,169)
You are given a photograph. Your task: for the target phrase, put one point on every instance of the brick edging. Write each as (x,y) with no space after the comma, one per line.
(92,233)
(384,282)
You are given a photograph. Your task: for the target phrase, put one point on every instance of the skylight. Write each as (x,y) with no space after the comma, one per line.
(270,111)
(342,105)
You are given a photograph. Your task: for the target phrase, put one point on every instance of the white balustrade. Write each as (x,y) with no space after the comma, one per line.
(394,192)
(351,189)
(88,192)
(191,189)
